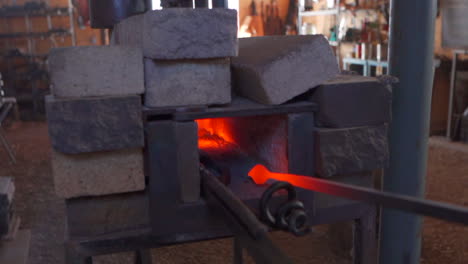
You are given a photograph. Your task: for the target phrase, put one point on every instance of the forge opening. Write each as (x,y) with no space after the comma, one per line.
(259,139)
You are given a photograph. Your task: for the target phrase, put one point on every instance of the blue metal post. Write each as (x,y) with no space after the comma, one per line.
(411,60)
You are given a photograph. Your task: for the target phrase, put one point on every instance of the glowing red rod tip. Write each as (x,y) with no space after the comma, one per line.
(260,174)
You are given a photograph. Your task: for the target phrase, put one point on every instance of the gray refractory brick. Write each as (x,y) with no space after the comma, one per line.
(98,173)
(352,101)
(95,124)
(194,82)
(274,69)
(351,150)
(181,33)
(96,71)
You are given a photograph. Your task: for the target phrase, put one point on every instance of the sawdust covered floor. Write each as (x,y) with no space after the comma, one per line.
(43,213)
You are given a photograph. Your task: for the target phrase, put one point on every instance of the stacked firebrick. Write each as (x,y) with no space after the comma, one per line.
(169,58)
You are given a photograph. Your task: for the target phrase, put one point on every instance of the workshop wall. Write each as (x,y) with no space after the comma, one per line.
(263,23)
(244,7)
(23,57)
(12,25)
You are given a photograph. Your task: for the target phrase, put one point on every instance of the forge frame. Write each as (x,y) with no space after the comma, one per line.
(178,155)
(176,211)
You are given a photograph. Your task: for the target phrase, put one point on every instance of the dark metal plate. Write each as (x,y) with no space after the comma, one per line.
(238,107)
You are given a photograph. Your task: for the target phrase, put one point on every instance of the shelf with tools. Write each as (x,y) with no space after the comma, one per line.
(29,30)
(348,26)
(318,12)
(367,65)
(31,10)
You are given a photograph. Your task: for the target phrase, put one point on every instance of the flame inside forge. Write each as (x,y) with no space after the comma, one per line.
(214,133)
(262,138)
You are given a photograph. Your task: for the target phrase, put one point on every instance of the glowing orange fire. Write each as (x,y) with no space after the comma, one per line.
(214,133)
(217,133)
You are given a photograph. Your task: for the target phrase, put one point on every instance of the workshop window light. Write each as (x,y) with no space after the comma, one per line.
(232,4)
(156,4)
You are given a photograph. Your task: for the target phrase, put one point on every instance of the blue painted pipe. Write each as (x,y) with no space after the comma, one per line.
(411,59)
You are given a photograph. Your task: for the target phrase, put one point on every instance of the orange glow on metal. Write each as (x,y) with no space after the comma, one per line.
(260,174)
(214,133)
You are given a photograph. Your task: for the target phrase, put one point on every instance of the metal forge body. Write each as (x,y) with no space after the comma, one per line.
(228,140)
(197,159)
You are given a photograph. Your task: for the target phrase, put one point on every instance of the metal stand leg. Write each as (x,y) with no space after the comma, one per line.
(7,147)
(73,257)
(365,238)
(238,252)
(143,256)
(452,91)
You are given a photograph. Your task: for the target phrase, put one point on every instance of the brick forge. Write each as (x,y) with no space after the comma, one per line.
(280,137)
(122,156)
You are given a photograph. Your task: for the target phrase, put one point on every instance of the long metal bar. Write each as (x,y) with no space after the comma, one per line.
(248,230)
(5,109)
(408,203)
(453,78)
(243,214)
(143,256)
(444,211)
(7,146)
(411,60)
(452,91)
(238,251)
(72,22)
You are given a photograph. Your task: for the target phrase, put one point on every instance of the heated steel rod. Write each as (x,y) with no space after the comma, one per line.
(435,209)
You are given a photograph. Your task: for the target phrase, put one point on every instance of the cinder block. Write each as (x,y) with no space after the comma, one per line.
(274,69)
(96,71)
(351,150)
(181,33)
(93,216)
(178,83)
(352,101)
(95,124)
(7,189)
(99,173)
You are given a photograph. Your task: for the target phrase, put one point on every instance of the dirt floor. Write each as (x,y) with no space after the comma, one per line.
(43,213)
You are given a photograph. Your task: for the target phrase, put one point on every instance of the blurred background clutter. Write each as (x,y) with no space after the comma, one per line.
(28,30)
(356,29)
